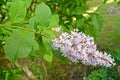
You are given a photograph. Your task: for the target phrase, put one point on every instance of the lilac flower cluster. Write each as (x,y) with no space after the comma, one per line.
(76,46)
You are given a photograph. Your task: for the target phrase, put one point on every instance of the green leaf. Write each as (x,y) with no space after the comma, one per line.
(27,3)
(54,22)
(48,57)
(58,55)
(40,43)
(31,22)
(35,49)
(98,75)
(2,2)
(79,10)
(45,48)
(105,1)
(80,22)
(19,45)
(42,16)
(102,8)
(17,11)
(92,31)
(97,21)
(49,33)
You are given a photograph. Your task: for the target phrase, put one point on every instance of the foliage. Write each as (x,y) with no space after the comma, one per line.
(7,74)
(103,74)
(98,75)
(27,28)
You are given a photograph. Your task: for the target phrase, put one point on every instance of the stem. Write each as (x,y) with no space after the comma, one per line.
(23,28)
(44,68)
(26,71)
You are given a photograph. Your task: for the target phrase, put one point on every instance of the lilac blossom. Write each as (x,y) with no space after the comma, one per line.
(77,46)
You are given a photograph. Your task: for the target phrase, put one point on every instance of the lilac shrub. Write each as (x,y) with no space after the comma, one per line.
(77,46)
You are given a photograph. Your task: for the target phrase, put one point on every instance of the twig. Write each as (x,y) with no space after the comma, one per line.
(44,67)
(23,28)
(26,71)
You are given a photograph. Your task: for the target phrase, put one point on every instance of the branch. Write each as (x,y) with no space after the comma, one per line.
(26,71)
(23,28)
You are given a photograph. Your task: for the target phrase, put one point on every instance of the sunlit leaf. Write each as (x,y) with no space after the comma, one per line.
(27,3)
(19,45)
(42,16)
(34,53)
(48,57)
(54,20)
(17,11)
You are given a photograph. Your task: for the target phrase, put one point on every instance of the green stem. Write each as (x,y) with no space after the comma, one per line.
(23,28)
